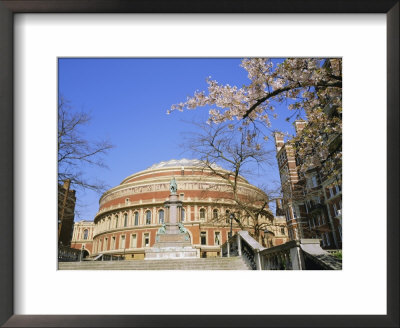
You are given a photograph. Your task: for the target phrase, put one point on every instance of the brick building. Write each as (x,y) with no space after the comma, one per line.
(312,202)
(82,237)
(131,213)
(66,213)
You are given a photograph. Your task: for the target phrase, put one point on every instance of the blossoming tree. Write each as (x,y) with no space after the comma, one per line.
(311,87)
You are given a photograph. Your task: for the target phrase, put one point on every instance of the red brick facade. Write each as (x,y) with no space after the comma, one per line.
(131,213)
(311,203)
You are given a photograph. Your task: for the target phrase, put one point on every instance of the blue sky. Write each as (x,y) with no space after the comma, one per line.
(128,99)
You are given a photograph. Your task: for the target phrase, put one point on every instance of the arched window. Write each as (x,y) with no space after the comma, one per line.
(85,234)
(125,220)
(202,214)
(116,221)
(148,217)
(161,217)
(215,214)
(136,218)
(182,214)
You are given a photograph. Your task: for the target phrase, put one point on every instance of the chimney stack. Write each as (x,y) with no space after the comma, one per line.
(299,125)
(278,141)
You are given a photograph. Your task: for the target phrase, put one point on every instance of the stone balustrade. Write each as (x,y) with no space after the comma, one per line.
(303,254)
(287,256)
(245,246)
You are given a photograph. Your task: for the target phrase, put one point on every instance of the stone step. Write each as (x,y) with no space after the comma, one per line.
(162,268)
(197,260)
(233,263)
(145,265)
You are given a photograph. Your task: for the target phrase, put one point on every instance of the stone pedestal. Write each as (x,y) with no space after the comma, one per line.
(175,253)
(172,243)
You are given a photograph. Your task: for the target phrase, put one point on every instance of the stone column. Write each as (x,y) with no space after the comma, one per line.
(166,218)
(239,243)
(258,260)
(173,209)
(296,259)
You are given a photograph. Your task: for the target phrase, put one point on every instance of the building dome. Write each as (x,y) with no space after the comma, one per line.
(131,213)
(179,163)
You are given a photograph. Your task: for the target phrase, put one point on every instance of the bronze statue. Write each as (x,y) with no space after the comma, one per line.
(172,186)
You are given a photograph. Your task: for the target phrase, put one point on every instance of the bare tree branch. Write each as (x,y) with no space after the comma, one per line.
(74,151)
(217,145)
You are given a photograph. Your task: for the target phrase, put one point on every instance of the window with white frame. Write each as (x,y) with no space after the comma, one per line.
(85,234)
(215,214)
(182,214)
(161,216)
(125,219)
(146,240)
(217,238)
(105,244)
(148,217)
(284,173)
(202,214)
(112,242)
(133,241)
(203,238)
(122,242)
(136,218)
(116,221)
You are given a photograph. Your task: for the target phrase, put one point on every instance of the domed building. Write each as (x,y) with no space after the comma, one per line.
(131,213)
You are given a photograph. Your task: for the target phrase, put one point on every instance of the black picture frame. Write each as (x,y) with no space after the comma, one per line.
(7,10)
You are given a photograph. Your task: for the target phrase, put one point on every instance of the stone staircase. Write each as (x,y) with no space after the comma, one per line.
(214,263)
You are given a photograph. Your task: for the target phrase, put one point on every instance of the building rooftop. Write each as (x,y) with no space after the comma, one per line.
(179,162)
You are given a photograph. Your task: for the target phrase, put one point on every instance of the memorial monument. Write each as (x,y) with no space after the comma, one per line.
(172,239)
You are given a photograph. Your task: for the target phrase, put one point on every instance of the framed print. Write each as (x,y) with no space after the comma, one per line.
(37,36)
